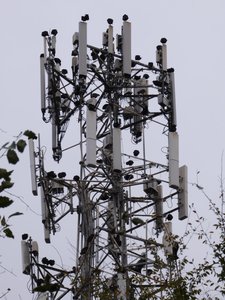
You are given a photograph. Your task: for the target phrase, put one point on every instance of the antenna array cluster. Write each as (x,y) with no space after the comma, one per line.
(121,192)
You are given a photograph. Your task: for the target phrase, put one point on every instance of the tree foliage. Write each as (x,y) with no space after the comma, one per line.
(11,152)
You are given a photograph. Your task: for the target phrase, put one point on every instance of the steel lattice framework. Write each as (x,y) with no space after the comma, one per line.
(120,190)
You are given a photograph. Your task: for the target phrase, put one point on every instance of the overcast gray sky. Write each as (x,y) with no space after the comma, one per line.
(196,49)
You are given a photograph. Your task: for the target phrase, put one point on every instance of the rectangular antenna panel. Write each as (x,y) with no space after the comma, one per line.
(74,64)
(35,248)
(167,238)
(121,282)
(53,42)
(44,213)
(45,47)
(32,167)
(164,57)
(159,208)
(105,39)
(117,163)
(158,55)
(183,194)
(47,233)
(173,152)
(75,38)
(173,98)
(42,75)
(54,133)
(82,49)
(107,142)
(91,134)
(126,40)
(43,296)
(110,39)
(25,257)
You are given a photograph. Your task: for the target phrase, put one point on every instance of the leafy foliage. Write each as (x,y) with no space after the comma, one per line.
(5,201)
(12,156)
(173,278)
(11,152)
(30,134)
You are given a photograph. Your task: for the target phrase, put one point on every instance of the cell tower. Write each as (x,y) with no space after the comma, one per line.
(126,115)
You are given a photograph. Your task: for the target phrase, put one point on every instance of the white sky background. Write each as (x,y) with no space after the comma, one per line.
(196,49)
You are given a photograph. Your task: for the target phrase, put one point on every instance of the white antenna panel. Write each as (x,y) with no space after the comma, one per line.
(167,238)
(158,55)
(110,39)
(47,233)
(74,61)
(91,134)
(57,68)
(54,134)
(121,281)
(53,42)
(104,39)
(75,38)
(32,167)
(43,206)
(117,164)
(173,98)
(82,49)
(164,57)
(25,257)
(34,247)
(173,153)
(43,296)
(126,48)
(45,47)
(107,142)
(151,187)
(183,194)
(42,75)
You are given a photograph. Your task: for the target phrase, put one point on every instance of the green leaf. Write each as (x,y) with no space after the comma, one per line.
(8,233)
(12,156)
(16,214)
(5,201)
(6,185)
(3,221)
(30,134)
(5,174)
(21,144)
